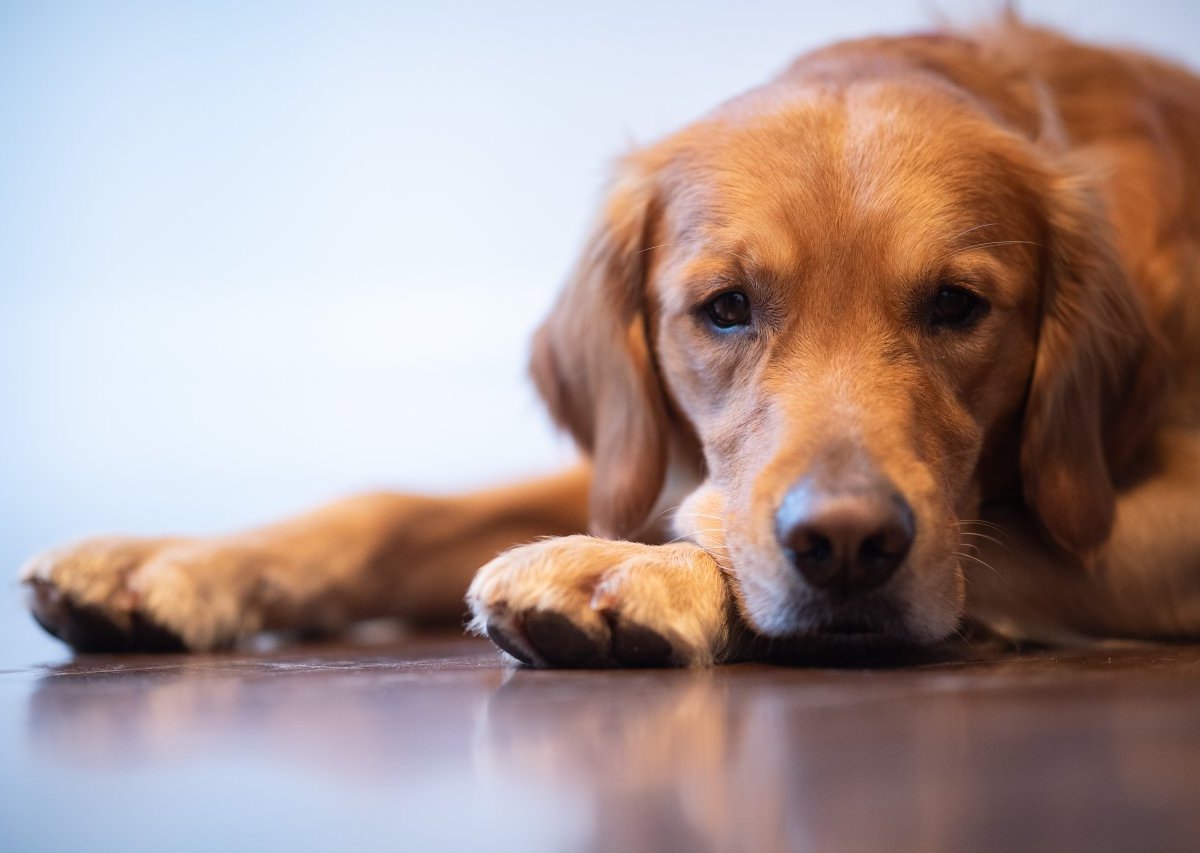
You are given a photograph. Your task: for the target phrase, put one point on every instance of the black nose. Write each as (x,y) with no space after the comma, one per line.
(849,539)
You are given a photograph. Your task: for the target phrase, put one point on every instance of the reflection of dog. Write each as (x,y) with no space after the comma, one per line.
(752,758)
(900,325)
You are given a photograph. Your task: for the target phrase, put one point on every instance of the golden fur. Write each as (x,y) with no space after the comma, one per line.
(1050,452)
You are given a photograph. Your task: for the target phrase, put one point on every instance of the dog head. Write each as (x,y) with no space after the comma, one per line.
(866,307)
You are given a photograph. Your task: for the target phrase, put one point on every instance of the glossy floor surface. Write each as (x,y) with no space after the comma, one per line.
(431,743)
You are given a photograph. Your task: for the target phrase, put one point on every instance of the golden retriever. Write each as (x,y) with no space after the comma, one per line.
(909,336)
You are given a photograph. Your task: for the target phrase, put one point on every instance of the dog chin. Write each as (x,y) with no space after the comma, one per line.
(853,643)
(866,629)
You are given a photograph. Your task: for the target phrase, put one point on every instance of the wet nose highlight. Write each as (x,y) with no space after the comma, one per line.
(848,539)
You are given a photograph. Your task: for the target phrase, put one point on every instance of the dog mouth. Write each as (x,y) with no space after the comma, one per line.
(844,634)
(871,633)
(851,629)
(854,620)
(857,644)
(857,632)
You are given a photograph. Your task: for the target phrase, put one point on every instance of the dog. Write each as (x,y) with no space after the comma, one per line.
(903,341)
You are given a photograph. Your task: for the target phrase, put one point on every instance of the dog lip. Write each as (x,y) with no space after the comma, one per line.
(852,629)
(857,632)
(876,617)
(875,650)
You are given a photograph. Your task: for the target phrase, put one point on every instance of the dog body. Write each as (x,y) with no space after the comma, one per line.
(908,334)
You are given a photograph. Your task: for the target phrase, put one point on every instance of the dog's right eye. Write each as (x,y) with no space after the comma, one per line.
(955,306)
(728,310)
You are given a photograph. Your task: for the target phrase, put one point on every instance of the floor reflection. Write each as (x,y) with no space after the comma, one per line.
(661,757)
(945,758)
(967,756)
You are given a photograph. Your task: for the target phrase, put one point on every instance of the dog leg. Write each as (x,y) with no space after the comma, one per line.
(1143,584)
(582,601)
(365,557)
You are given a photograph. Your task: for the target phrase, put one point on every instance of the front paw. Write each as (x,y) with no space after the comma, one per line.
(81,594)
(579,601)
(127,594)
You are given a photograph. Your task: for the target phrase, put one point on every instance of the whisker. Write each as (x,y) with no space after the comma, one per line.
(990,524)
(666,510)
(981,562)
(983,536)
(710,517)
(975,228)
(687,536)
(659,246)
(981,529)
(997,243)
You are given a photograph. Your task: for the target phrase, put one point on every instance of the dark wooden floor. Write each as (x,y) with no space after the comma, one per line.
(431,744)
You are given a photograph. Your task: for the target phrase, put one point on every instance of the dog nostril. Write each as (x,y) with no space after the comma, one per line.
(814,555)
(883,551)
(819,548)
(823,561)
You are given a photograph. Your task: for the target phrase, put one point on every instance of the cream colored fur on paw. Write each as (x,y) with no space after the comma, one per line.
(674,590)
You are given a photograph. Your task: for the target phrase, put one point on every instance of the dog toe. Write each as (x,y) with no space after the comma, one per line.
(83,628)
(636,646)
(90,629)
(148,635)
(560,642)
(503,639)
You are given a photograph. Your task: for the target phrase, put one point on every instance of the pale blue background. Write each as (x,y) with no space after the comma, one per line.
(255,255)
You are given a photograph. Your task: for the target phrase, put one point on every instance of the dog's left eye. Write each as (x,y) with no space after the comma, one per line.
(728,310)
(956,306)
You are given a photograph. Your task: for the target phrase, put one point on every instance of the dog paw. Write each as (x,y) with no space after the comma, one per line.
(578,601)
(125,594)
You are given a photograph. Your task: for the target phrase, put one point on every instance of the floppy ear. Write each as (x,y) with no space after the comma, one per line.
(593,366)
(1097,377)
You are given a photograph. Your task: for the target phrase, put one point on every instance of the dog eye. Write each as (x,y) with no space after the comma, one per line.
(729,309)
(956,306)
